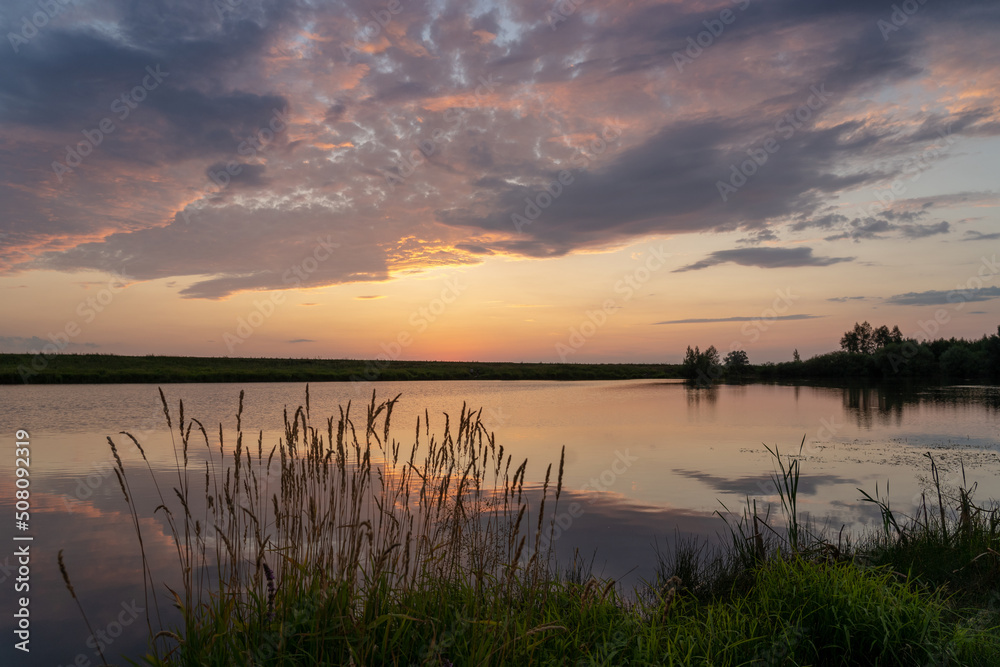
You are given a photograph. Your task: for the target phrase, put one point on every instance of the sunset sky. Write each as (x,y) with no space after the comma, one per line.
(536,181)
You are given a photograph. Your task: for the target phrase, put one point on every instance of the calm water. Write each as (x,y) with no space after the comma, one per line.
(647,460)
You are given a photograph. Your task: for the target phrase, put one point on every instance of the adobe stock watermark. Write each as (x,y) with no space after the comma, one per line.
(419,321)
(562,521)
(408,163)
(627,286)
(88,309)
(780,649)
(442,641)
(122,107)
(561,11)
(48,10)
(533,206)
(752,331)
(223,7)
(607,646)
(949,477)
(786,126)
(274,642)
(7,569)
(494,418)
(106,636)
(754,328)
(263,309)
(914,167)
(706,38)
(828,428)
(381,18)
(900,15)
(249,149)
(88,484)
(958,297)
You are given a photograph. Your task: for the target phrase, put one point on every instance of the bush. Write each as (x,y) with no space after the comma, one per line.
(840,610)
(702,367)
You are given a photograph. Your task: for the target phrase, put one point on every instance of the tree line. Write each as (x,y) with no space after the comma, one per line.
(866,352)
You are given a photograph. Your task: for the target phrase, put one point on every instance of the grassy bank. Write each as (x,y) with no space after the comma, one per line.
(342,546)
(112,368)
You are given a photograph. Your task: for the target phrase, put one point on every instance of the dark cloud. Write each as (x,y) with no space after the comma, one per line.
(864,229)
(301,340)
(666,184)
(335,112)
(235,247)
(767,258)
(828,221)
(761,236)
(68,80)
(921,231)
(843,299)
(903,216)
(236,174)
(738,319)
(938,298)
(881,228)
(973,235)
(513,104)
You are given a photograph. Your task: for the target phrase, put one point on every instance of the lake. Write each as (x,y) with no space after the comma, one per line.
(647,460)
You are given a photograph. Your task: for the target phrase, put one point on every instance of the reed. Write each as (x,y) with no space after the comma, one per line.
(954,547)
(341,545)
(341,515)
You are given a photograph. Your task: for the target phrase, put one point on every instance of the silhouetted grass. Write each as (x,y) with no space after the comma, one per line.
(341,546)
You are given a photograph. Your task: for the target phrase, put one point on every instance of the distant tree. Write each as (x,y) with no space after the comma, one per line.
(849,342)
(865,340)
(964,360)
(689,367)
(703,367)
(795,355)
(883,336)
(711,358)
(736,360)
(866,337)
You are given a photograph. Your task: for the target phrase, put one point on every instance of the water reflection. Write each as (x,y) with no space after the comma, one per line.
(701,401)
(693,450)
(868,404)
(619,537)
(885,405)
(760,485)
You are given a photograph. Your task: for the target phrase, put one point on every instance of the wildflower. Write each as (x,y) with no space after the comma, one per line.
(271,590)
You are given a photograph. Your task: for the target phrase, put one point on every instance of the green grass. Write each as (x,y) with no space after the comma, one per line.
(111,368)
(953,546)
(342,546)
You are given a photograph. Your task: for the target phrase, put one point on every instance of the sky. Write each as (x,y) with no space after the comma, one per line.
(574,181)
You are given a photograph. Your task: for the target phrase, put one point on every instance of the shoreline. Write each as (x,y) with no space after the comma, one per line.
(122,369)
